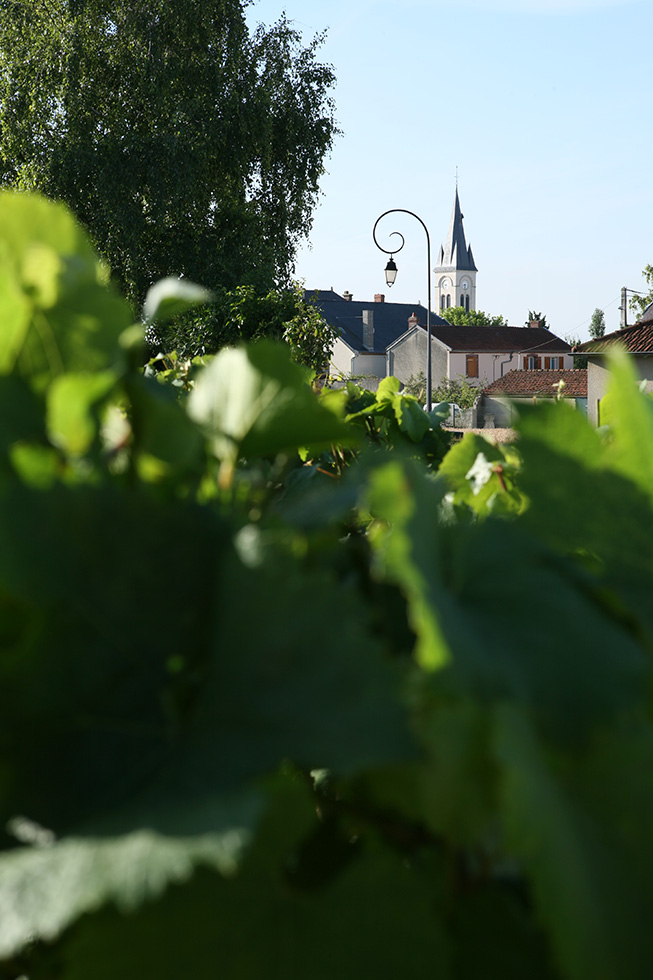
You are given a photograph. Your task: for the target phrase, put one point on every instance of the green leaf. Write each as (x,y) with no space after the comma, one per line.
(255,401)
(161,426)
(73,320)
(290,692)
(376,919)
(88,672)
(457,581)
(72,403)
(43,890)
(15,314)
(171,296)
(412,419)
(588,858)
(629,413)
(580,503)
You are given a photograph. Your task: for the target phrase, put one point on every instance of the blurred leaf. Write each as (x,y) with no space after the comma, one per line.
(45,889)
(67,319)
(255,401)
(171,296)
(590,875)
(161,426)
(376,919)
(290,692)
(72,400)
(629,413)
(15,313)
(478,596)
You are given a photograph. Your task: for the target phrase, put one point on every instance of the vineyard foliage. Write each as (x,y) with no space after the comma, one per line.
(291,688)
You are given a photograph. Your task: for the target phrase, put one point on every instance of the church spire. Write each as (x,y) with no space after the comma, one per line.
(456,255)
(455,272)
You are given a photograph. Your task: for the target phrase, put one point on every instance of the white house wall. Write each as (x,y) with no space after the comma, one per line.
(407,357)
(366,365)
(342,359)
(491,367)
(505,409)
(598,382)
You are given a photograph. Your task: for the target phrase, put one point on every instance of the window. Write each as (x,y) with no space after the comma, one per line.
(442,302)
(532,363)
(471,365)
(467,303)
(462,300)
(553,363)
(448,301)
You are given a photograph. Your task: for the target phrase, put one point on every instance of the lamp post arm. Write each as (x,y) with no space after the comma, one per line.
(428,281)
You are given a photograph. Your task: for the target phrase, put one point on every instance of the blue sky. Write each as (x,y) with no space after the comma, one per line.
(544,106)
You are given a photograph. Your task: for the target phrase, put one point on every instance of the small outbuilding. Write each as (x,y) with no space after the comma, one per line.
(502,398)
(637,340)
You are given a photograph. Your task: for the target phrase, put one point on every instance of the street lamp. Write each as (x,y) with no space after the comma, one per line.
(391,275)
(390,272)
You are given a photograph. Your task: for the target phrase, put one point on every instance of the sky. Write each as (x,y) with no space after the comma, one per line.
(543,110)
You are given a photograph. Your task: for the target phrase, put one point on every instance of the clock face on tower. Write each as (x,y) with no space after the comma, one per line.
(445,284)
(465,284)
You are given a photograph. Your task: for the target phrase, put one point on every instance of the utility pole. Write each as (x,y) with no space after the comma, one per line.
(624,305)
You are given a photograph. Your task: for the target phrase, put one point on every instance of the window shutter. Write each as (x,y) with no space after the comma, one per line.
(538,363)
(525,364)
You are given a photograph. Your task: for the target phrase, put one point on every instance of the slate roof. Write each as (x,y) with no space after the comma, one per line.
(525,383)
(391,323)
(456,254)
(637,339)
(390,319)
(500,340)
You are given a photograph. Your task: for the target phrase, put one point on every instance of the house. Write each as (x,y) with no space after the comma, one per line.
(637,340)
(478,353)
(502,398)
(377,339)
(366,330)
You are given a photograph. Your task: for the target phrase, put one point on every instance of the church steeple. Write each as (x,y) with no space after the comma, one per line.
(456,270)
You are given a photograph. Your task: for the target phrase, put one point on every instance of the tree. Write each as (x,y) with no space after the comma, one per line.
(185,144)
(639,303)
(532,315)
(597,324)
(240,315)
(460,317)
(574,340)
(457,391)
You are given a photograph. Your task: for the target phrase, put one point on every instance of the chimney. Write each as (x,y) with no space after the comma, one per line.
(348,296)
(535,324)
(368,329)
(413,321)
(379,297)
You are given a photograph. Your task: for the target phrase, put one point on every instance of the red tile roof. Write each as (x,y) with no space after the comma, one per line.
(637,339)
(517,384)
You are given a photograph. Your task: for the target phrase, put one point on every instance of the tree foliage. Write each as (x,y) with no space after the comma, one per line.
(290,689)
(597,324)
(574,340)
(184,143)
(458,391)
(533,315)
(460,317)
(639,303)
(241,316)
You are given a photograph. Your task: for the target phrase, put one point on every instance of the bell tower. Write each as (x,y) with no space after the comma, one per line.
(455,272)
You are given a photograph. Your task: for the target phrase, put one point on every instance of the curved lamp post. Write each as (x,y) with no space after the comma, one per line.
(391,275)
